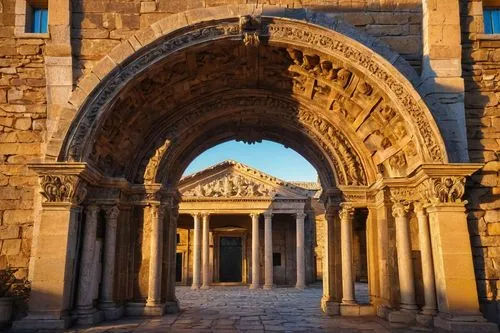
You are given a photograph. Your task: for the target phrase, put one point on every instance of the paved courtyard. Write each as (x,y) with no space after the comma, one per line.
(238,309)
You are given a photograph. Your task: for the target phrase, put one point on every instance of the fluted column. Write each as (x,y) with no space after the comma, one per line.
(155,260)
(301,264)
(205,250)
(84,300)
(255,251)
(424,238)
(108,272)
(405,265)
(268,255)
(346,214)
(197,251)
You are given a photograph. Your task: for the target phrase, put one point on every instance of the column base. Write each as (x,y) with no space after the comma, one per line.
(356,310)
(141,309)
(383,311)
(401,319)
(268,286)
(195,286)
(205,287)
(424,320)
(300,286)
(330,307)
(111,310)
(172,307)
(41,322)
(464,324)
(87,317)
(254,286)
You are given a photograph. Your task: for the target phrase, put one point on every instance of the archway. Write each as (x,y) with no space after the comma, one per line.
(199,78)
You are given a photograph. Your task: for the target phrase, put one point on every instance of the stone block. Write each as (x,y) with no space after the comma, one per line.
(22,124)
(9,232)
(148,6)
(494,229)
(121,52)
(12,217)
(492,216)
(11,247)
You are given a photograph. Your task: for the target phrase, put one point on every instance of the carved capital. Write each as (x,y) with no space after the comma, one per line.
(444,189)
(346,212)
(400,209)
(254,216)
(112,213)
(419,207)
(268,215)
(92,212)
(300,215)
(62,188)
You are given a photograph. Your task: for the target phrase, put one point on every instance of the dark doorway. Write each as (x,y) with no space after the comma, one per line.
(230,259)
(178,267)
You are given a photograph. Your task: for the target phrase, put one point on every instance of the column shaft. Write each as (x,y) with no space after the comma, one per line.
(405,265)
(197,251)
(108,274)
(155,259)
(301,271)
(255,252)
(205,250)
(84,299)
(424,239)
(346,214)
(268,243)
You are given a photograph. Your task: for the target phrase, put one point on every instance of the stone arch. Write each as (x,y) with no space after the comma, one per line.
(373,82)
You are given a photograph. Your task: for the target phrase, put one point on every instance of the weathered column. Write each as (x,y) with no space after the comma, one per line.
(301,269)
(255,251)
(405,265)
(84,303)
(172,304)
(205,249)
(268,255)
(346,214)
(452,256)
(372,254)
(155,258)
(197,251)
(106,302)
(424,239)
(331,279)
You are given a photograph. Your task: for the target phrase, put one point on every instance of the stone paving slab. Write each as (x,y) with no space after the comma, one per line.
(238,309)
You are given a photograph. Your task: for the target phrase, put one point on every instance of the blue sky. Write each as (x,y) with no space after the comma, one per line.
(268,156)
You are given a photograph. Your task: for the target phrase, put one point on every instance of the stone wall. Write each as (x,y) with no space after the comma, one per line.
(22,128)
(99,25)
(481,70)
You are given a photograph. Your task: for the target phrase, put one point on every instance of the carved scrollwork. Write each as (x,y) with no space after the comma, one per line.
(444,189)
(400,209)
(62,188)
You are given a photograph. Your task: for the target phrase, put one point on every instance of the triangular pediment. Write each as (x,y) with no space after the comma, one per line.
(234,180)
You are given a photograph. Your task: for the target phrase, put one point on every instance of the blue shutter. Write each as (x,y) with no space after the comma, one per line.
(495,21)
(40,20)
(488,24)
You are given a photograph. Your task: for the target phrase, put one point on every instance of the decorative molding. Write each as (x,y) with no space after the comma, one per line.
(62,188)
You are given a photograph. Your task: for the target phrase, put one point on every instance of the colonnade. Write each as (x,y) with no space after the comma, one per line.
(201,268)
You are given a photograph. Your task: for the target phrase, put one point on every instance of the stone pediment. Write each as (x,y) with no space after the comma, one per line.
(234,180)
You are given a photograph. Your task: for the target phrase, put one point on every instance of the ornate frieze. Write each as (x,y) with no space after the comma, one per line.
(231,186)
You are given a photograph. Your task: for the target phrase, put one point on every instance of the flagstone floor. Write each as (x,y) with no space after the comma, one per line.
(238,309)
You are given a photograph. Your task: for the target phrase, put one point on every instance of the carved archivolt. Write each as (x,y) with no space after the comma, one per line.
(327,69)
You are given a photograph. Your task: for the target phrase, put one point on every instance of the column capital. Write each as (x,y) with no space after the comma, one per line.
(300,215)
(92,208)
(254,215)
(419,207)
(268,214)
(196,215)
(112,213)
(346,211)
(443,190)
(399,209)
(205,215)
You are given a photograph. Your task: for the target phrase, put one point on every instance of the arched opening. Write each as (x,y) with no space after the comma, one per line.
(345,108)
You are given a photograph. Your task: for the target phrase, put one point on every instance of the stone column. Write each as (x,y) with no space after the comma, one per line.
(84,304)
(405,265)
(424,239)
(331,279)
(301,269)
(108,274)
(172,304)
(346,214)
(268,243)
(255,251)
(205,250)
(155,258)
(197,251)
